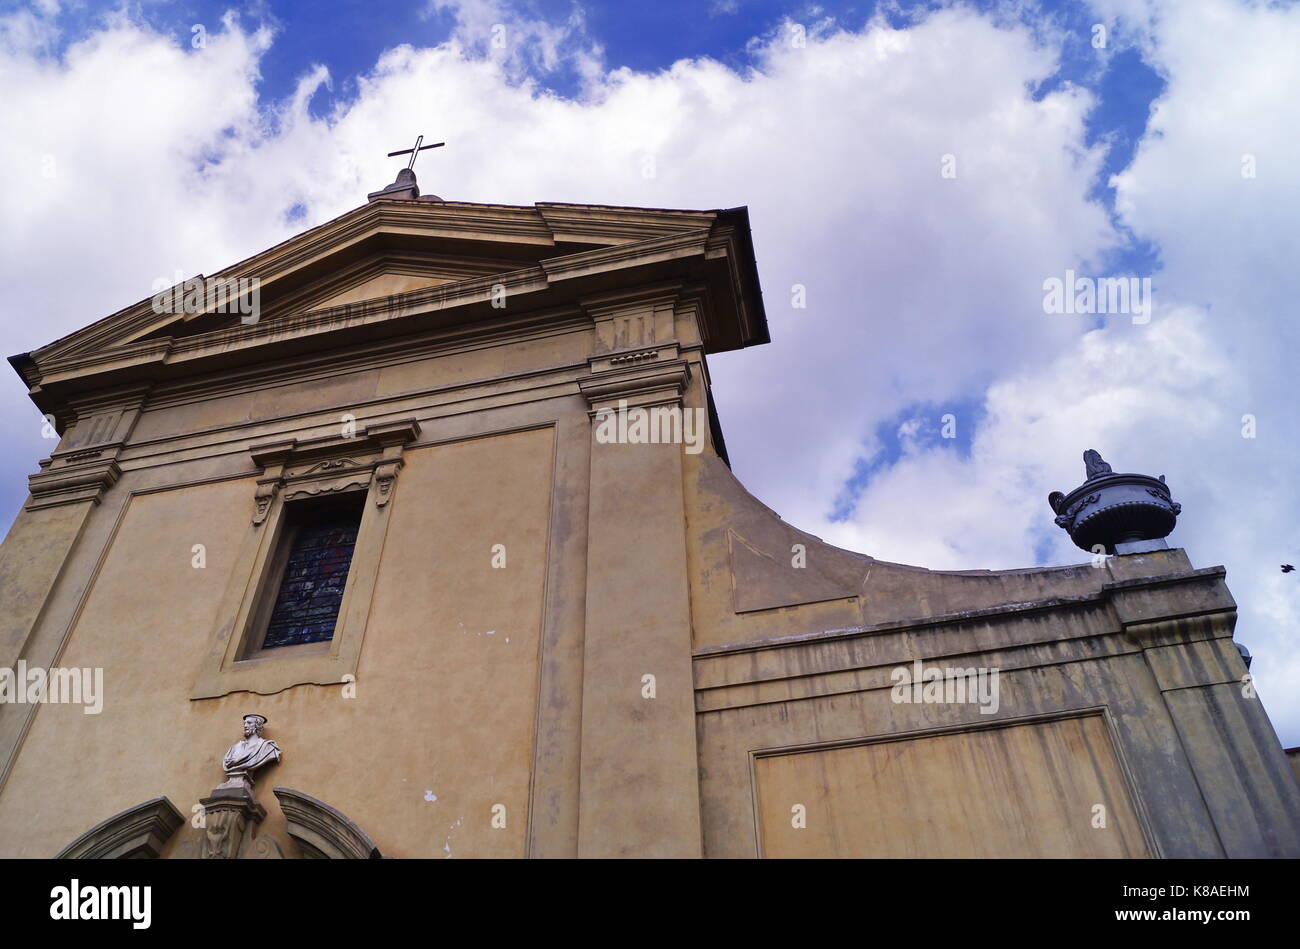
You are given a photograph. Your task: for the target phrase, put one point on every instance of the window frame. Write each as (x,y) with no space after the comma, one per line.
(254,645)
(292,471)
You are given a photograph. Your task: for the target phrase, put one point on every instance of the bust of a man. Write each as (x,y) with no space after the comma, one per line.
(249,754)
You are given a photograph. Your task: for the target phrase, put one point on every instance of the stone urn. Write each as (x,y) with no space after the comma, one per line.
(1122,513)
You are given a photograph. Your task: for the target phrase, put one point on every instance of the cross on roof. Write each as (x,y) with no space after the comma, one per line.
(415,151)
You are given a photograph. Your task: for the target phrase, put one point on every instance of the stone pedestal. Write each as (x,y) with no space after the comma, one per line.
(229,814)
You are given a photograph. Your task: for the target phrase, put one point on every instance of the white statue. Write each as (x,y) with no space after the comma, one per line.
(249,754)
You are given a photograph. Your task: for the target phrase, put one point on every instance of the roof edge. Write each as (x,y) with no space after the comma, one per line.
(739,218)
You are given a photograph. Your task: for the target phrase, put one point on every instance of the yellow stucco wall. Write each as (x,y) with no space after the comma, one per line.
(445,693)
(1027,790)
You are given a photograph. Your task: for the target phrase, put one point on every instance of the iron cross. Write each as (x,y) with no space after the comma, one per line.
(413,152)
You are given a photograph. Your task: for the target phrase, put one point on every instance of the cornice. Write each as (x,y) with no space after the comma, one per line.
(304,467)
(689,244)
(382,216)
(577,224)
(379,355)
(637,386)
(476,290)
(83,480)
(478,223)
(372,438)
(1203,592)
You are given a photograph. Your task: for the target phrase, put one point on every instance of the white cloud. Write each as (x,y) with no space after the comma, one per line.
(520,38)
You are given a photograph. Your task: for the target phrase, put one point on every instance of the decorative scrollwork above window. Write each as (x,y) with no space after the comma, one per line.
(306,468)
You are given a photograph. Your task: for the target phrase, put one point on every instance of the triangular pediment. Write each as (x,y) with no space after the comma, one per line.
(387,281)
(365,278)
(394,267)
(379,250)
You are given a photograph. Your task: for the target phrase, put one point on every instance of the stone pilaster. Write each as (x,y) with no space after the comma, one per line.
(639,782)
(1225,732)
(64,493)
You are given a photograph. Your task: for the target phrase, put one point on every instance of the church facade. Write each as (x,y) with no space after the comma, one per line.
(415,536)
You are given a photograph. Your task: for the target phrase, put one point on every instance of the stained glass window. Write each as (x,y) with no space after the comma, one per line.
(316,569)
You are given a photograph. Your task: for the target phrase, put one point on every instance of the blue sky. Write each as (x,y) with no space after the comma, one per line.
(923,292)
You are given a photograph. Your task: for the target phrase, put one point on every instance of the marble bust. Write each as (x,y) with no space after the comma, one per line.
(250,753)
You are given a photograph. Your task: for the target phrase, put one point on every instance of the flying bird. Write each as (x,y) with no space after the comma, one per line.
(1287,568)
